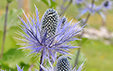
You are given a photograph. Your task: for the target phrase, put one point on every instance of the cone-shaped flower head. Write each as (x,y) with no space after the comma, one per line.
(49,23)
(63,64)
(107,5)
(47,37)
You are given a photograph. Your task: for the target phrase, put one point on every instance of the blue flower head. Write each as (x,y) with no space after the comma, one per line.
(63,64)
(48,36)
(49,24)
(107,5)
(91,8)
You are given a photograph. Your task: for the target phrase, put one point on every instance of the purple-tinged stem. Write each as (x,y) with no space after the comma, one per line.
(62,6)
(41,61)
(78,52)
(66,8)
(4,34)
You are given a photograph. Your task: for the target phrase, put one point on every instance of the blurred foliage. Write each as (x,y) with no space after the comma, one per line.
(50,3)
(9,1)
(81,58)
(98,54)
(13,57)
(12,26)
(12,19)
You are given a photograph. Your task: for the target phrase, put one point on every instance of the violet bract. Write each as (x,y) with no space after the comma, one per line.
(47,37)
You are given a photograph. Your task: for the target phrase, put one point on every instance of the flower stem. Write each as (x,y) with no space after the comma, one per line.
(62,6)
(4,34)
(66,8)
(84,23)
(41,61)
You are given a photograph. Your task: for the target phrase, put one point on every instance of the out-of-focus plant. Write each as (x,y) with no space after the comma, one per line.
(12,19)
(91,8)
(87,7)
(9,1)
(50,3)
(5,25)
(7,32)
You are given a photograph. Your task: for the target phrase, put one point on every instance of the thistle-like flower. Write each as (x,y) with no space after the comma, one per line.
(47,37)
(49,24)
(107,5)
(89,7)
(63,64)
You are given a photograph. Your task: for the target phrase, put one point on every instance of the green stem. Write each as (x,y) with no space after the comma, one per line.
(66,8)
(4,34)
(78,52)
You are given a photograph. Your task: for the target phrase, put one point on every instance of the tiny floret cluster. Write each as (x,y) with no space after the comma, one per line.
(63,64)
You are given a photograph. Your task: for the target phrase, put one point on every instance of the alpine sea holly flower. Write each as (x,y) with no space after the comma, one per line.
(107,5)
(47,37)
(63,64)
(91,8)
(49,23)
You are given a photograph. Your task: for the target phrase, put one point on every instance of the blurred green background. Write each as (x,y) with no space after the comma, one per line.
(96,53)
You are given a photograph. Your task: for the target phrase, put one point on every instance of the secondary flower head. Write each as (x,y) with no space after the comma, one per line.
(89,7)
(107,5)
(63,64)
(47,37)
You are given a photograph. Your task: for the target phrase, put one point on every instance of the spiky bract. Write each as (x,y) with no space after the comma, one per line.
(47,37)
